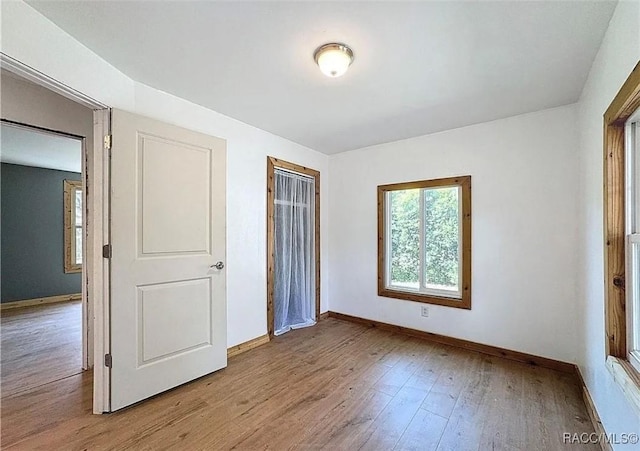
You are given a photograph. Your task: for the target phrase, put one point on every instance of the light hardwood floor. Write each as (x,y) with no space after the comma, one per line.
(39,344)
(337,386)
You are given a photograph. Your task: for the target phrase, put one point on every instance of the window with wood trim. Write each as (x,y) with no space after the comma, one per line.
(621,221)
(424,241)
(72,226)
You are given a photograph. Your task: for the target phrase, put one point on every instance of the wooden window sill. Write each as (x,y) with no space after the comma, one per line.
(627,378)
(464,303)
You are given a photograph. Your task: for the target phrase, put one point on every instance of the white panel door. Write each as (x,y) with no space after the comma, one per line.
(168,300)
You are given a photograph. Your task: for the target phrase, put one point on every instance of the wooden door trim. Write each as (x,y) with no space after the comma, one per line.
(272,164)
(622,107)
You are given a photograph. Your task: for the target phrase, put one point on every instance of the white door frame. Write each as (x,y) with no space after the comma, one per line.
(96,269)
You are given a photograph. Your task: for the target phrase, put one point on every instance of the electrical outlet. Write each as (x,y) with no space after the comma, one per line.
(425,311)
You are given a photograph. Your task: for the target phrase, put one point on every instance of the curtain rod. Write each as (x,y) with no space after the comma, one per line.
(290,172)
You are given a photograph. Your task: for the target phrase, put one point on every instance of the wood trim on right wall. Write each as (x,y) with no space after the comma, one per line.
(622,107)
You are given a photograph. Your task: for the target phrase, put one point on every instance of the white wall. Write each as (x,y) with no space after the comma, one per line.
(50,50)
(524,187)
(31,38)
(619,53)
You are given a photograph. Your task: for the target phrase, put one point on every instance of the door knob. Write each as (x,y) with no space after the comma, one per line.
(218,265)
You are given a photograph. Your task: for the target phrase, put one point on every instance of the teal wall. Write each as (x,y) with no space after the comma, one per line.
(32,233)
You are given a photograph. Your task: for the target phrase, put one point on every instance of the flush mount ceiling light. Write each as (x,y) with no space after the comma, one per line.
(333,59)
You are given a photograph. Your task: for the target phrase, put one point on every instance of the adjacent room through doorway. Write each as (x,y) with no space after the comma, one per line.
(42,209)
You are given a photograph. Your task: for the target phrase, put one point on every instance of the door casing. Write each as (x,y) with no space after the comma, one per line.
(272,164)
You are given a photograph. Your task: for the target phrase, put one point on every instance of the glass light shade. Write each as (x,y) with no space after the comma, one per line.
(334,59)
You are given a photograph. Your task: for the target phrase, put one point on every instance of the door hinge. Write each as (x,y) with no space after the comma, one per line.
(107,142)
(106,251)
(108,361)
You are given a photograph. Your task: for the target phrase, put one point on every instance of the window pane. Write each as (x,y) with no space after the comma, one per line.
(78,203)
(78,245)
(441,240)
(405,240)
(634,288)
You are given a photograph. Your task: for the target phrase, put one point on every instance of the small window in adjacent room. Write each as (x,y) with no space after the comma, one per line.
(424,241)
(632,232)
(72,226)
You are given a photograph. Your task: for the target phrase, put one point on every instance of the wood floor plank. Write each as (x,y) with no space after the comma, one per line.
(468,415)
(386,430)
(551,403)
(333,386)
(360,371)
(504,397)
(346,422)
(43,408)
(39,344)
(409,360)
(423,433)
(427,374)
(452,378)
(329,386)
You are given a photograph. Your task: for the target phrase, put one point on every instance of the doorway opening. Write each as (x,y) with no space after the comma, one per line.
(43,315)
(293,246)
(36,104)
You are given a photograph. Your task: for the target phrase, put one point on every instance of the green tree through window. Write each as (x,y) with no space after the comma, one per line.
(424,236)
(441,237)
(405,237)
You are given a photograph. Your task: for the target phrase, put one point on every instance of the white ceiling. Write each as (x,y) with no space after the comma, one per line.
(28,147)
(419,67)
